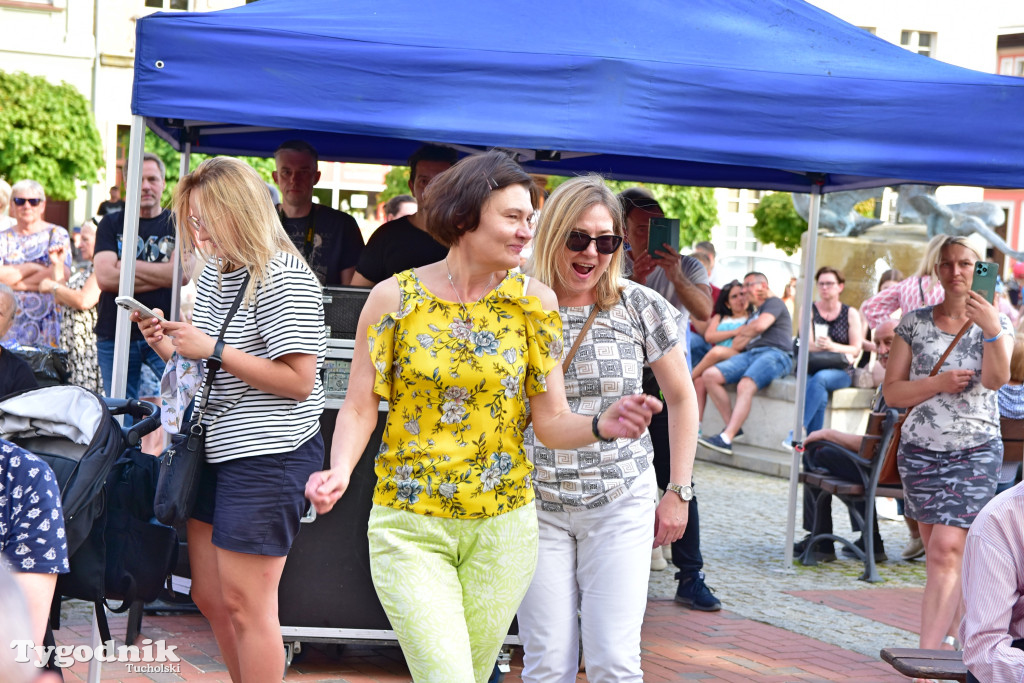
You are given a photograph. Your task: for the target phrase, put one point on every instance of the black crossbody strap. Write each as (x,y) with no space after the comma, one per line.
(212,366)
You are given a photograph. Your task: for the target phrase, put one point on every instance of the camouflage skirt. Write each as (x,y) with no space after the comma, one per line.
(949,487)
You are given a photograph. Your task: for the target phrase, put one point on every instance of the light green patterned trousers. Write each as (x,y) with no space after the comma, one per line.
(450,587)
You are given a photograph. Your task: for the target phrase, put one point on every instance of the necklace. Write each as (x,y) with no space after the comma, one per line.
(953,317)
(462,303)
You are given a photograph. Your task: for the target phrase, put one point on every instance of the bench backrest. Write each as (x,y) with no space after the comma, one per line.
(872,436)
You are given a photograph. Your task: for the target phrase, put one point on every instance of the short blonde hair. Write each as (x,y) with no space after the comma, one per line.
(943,241)
(238,214)
(562,211)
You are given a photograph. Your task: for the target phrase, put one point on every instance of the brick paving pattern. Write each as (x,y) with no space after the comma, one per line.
(778,624)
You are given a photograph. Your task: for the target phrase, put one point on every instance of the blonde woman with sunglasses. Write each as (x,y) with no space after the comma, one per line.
(598,509)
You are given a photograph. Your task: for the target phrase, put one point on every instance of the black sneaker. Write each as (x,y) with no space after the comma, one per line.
(880,555)
(825,551)
(695,594)
(716,443)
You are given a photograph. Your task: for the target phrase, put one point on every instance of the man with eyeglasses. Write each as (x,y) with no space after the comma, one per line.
(154,274)
(683,280)
(25,261)
(328,239)
(765,342)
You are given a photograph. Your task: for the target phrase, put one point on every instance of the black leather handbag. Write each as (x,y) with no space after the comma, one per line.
(181,463)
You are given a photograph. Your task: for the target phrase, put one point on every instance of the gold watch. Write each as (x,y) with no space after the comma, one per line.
(685,492)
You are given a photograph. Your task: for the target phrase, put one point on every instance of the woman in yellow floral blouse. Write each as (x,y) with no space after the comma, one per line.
(457,348)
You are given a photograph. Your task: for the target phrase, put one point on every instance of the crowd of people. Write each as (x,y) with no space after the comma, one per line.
(547,374)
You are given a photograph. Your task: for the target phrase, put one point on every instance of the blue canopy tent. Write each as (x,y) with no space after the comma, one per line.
(740,93)
(763,94)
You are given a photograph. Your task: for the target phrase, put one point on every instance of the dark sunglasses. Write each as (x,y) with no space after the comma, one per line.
(20,201)
(606,244)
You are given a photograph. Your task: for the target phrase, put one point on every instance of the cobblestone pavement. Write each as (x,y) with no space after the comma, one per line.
(743,530)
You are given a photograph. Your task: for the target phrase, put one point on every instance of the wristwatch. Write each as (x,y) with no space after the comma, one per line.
(685,492)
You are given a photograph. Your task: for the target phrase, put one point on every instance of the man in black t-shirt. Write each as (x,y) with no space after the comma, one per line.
(328,239)
(404,243)
(112,205)
(154,273)
(765,343)
(15,374)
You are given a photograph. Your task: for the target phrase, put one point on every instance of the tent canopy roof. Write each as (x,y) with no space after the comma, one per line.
(772,94)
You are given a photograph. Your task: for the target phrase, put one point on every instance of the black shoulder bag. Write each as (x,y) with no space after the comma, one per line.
(181,462)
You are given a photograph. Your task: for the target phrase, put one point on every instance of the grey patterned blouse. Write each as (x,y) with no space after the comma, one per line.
(948,422)
(608,365)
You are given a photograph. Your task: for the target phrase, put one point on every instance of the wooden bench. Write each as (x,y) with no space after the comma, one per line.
(849,491)
(943,665)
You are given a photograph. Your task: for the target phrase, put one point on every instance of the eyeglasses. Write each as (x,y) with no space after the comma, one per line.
(20,201)
(606,244)
(825,285)
(196,223)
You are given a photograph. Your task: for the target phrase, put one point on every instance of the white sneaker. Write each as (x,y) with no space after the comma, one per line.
(658,562)
(913,550)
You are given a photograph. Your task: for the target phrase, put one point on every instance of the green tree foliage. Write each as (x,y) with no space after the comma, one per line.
(778,222)
(172,160)
(396,182)
(695,207)
(48,134)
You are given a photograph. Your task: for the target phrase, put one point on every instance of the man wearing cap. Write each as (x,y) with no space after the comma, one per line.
(683,280)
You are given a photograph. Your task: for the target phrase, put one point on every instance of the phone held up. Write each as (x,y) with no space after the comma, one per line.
(662,231)
(984,282)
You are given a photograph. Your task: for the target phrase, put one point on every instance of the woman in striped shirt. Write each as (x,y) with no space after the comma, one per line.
(263,432)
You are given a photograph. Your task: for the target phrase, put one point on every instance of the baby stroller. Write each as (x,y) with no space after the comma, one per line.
(116,548)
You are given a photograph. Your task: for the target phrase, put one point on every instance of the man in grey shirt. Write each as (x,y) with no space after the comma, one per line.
(765,342)
(682,280)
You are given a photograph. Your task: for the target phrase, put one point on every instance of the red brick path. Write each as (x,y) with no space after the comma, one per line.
(899,607)
(678,645)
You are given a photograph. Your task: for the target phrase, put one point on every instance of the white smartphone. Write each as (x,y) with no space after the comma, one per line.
(130,304)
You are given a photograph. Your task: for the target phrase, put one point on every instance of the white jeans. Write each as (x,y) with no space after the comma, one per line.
(597,562)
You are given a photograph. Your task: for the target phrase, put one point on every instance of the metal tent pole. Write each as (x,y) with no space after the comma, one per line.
(126,287)
(810,255)
(175,312)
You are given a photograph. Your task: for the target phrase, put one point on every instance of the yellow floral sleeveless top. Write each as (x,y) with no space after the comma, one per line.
(457,379)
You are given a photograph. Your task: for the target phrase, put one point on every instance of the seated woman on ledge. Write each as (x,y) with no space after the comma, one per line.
(732,309)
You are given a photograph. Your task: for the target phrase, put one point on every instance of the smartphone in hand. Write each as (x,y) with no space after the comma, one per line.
(984,282)
(130,304)
(662,231)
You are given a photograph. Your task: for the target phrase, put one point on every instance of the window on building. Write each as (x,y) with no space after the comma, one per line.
(168,4)
(734,201)
(869,29)
(921,42)
(739,238)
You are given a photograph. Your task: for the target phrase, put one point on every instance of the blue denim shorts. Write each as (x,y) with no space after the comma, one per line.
(762,365)
(255,503)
